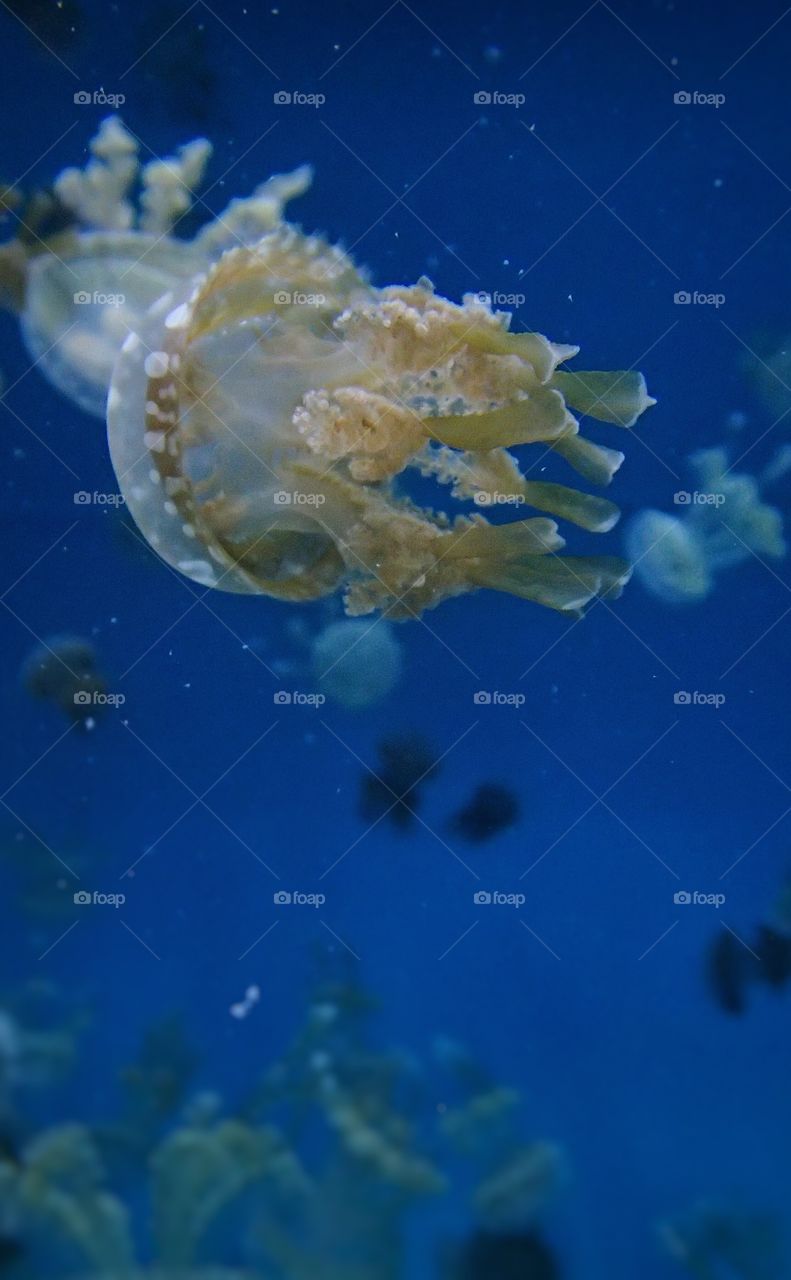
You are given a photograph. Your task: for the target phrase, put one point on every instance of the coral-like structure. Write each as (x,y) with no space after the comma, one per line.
(267,399)
(30,1057)
(725,521)
(310,1180)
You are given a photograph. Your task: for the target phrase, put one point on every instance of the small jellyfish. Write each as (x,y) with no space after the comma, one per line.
(491,809)
(668,557)
(724,521)
(63,670)
(356,662)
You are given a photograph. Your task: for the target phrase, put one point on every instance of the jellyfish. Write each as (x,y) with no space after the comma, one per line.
(669,557)
(63,670)
(269,405)
(356,662)
(725,520)
(259,423)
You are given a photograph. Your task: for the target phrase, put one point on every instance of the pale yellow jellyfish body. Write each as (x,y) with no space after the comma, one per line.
(268,404)
(258,423)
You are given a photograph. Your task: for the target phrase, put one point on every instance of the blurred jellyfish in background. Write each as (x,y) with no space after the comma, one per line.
(356,662)
(37,1048)
(64,671)
(725,520)
(768,366)
(519,1180)
(311,1178)
(716,1240)
(87,261)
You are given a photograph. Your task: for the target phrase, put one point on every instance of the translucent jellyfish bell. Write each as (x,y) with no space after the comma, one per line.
(725,522)
(80,308)
(258,422)
(356,662)
(668,557)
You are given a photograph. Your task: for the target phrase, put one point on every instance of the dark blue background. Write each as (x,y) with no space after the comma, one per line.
(657,1096)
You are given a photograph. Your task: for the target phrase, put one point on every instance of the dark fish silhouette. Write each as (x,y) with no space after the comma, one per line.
(516,1256)
(774,949)
(55,25)
(175,54)
(492,809)
(406,761)
(730,969)
(734,967)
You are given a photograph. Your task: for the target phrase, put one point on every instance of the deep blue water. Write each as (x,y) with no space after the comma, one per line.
(598,198)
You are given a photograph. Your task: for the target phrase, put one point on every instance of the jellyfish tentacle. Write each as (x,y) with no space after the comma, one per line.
(619,398)
(481,477)
(595,462)
(537,418)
